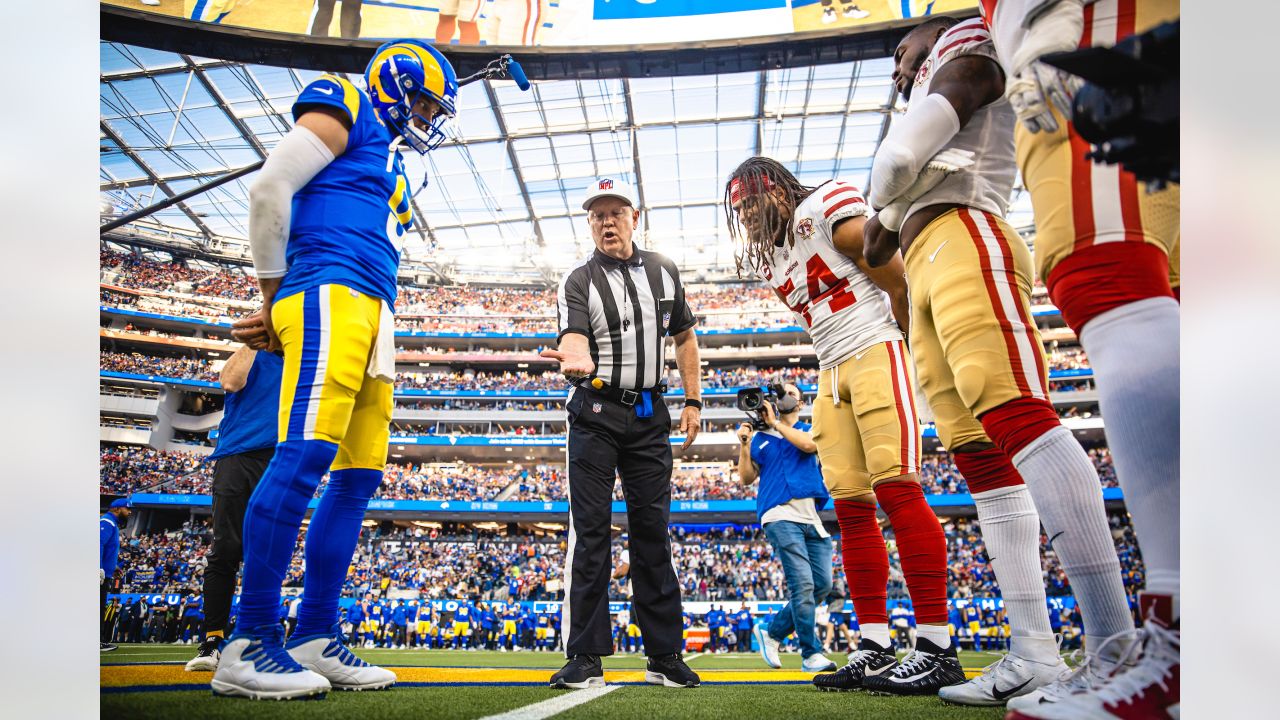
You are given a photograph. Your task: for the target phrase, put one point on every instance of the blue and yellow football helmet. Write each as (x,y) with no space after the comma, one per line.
(400,73)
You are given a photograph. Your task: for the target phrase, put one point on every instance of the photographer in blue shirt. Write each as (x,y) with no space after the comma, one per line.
(783,456)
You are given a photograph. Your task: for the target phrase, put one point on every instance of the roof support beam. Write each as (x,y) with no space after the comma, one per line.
(635,149)
(159,182)
(515,162)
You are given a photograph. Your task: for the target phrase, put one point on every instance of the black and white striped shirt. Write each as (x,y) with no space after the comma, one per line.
(626,309)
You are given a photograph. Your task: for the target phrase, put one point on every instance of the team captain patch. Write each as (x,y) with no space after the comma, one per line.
(804,228)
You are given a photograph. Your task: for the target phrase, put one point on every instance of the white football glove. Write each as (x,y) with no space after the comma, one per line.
(945,163)
(102,576)
(1038,88)
(1035,88)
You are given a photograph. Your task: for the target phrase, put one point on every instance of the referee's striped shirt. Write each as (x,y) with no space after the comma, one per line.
(626,309)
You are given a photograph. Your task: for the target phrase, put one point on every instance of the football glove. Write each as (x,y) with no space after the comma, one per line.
(939,167)
(1034,88)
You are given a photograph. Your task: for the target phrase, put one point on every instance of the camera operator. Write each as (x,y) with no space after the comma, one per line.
(783,456)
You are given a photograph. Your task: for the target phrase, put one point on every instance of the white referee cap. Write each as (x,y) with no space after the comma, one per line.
(609,187)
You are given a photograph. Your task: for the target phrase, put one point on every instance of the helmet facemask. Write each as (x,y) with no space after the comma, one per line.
(401,116)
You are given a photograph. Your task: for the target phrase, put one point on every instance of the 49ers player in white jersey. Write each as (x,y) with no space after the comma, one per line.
(1106,249)
(807,243)
(979,355)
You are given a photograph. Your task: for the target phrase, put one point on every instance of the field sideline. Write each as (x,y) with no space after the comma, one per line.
(147,681)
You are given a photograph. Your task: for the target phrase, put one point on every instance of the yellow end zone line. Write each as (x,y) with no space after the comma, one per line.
(143,675)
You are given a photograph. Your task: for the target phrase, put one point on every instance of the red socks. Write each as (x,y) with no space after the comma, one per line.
(987,470)
(1017,423)
(866,560)
(921,548)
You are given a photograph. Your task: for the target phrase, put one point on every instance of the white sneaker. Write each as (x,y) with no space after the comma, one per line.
(1006,678)
(828,16)
(1090,675)
(206,659)
(256,666)
(855,12)
(768,647)
(150,3)
(326,655)
(817,663)
(1149,689)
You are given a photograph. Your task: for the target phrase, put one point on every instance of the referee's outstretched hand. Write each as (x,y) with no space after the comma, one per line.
(573,364)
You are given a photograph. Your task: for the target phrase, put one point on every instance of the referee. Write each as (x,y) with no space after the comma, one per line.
(615,310)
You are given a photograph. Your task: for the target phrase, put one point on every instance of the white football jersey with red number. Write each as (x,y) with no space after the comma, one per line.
(843,311)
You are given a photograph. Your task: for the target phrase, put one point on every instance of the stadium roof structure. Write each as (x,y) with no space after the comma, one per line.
(503,197)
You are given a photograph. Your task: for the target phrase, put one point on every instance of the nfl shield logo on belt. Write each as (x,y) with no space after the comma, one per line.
(595,407)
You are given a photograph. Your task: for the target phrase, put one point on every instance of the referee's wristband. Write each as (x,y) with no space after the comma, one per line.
(693,403)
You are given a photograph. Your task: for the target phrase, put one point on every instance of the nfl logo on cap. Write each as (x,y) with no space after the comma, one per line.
(606,184)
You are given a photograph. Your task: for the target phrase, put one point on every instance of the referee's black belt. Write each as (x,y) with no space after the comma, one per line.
(621,395)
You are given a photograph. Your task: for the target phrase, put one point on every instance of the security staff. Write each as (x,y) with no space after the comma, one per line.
(246,443)
(615,311)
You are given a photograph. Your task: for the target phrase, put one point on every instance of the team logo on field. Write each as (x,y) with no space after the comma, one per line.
(595,407)
(604,184)
(804,229)
(923,75)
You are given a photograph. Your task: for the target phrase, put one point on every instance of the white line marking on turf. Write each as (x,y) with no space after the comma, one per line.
(555,705)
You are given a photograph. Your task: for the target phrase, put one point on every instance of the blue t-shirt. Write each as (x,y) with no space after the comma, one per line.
(786,472)
(251,417)
(349,222)
(356,614)
(744,619)
(397,615)
(715,619)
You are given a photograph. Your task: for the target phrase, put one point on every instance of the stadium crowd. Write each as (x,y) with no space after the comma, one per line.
(193,368)
(128,469)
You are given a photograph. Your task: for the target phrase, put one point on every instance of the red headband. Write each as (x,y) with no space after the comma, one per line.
(738,189)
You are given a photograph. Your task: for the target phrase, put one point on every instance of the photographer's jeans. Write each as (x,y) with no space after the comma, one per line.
(806,563)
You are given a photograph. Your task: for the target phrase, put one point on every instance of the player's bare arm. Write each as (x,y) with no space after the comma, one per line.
(235,373)
(848,236)
(690,366)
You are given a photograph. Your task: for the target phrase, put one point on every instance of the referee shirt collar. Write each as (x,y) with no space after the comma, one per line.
(608,262)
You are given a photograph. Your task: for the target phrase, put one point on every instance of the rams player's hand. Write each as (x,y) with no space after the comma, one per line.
(256,331)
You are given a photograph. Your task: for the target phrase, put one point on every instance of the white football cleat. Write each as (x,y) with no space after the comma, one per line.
(817,663)
(768,647)
(1088,676)
(1149,689)
(255,665)
(1008,677)
(326,655)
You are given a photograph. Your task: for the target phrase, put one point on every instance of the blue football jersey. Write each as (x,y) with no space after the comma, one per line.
(349,222)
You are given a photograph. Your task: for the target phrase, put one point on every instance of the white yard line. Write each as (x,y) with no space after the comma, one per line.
(554,706)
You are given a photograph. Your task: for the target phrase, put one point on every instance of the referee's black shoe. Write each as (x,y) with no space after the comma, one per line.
(923,671)
(105,646)
(867,661)
(580,673)
(670,671)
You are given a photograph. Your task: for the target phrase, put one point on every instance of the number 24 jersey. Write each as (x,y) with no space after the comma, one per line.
(843,311)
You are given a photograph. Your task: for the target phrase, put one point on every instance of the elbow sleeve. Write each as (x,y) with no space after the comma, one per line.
(927,127)
(299,157)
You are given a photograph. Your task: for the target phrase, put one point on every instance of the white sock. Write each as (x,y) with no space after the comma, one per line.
(1011,532)
(877,633)
(1065,486)
(936,634)
(1134,353)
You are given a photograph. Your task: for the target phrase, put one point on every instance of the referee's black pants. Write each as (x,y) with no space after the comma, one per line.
(605,436)
(234,478)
